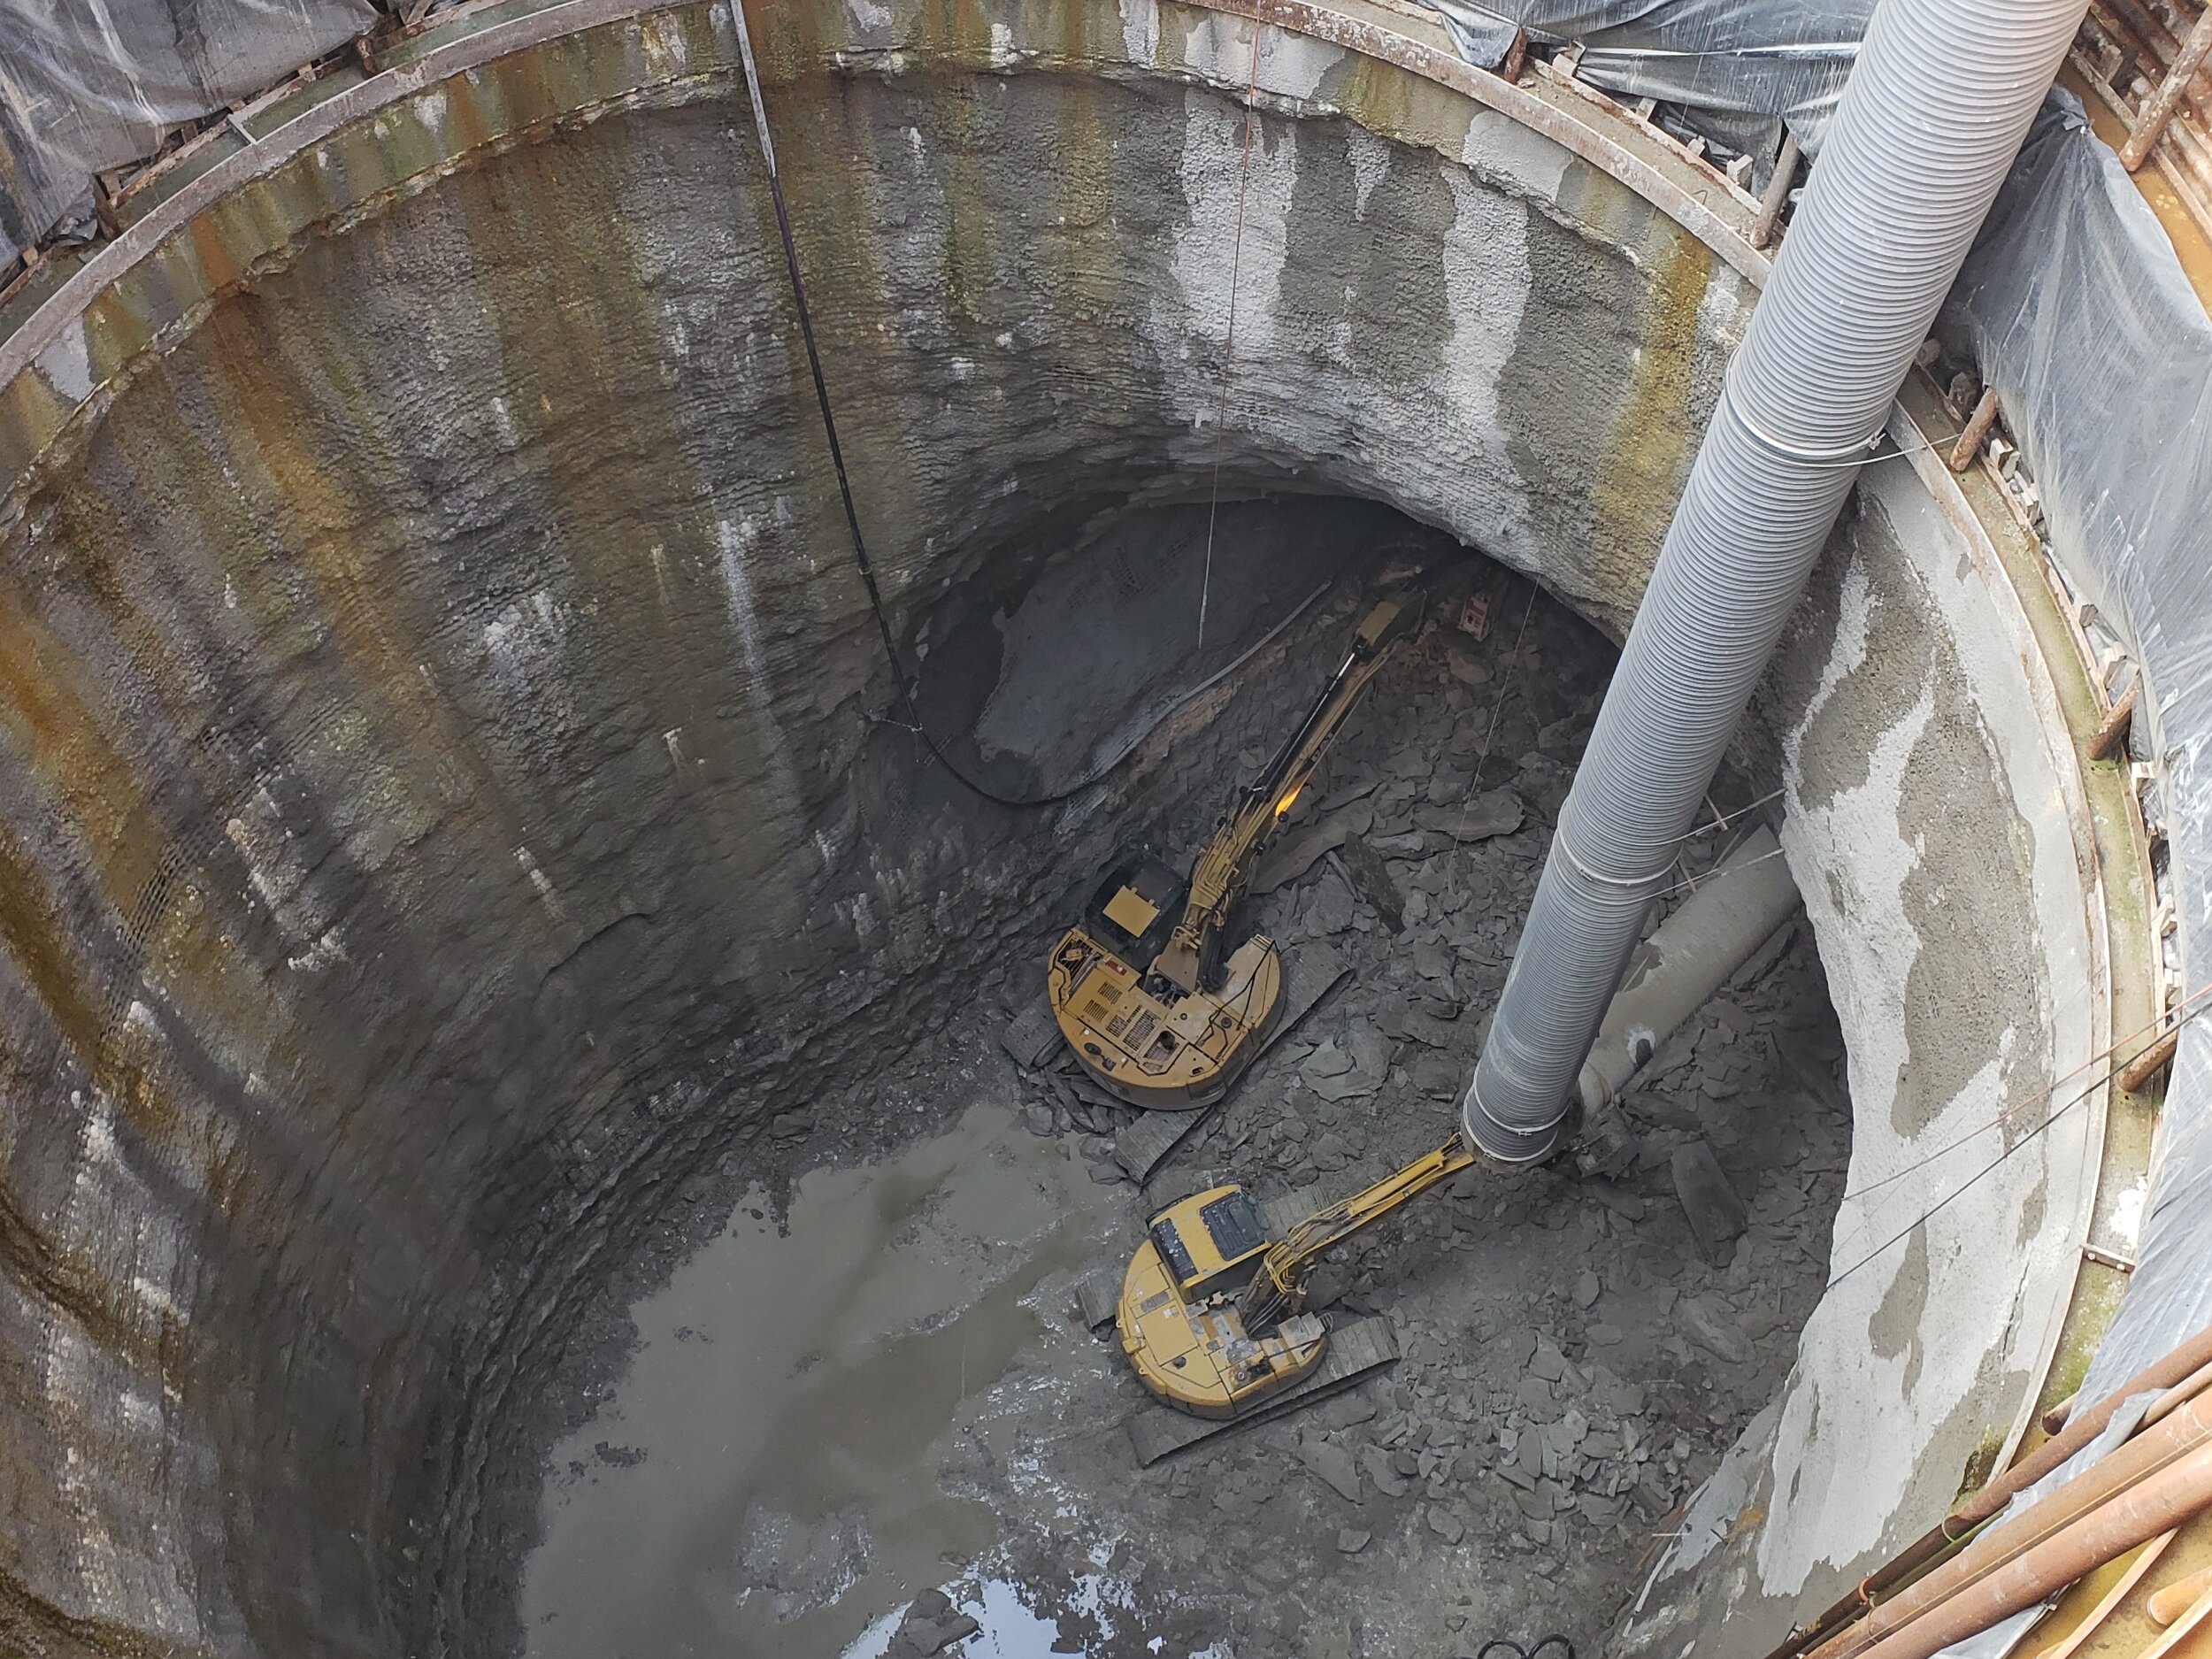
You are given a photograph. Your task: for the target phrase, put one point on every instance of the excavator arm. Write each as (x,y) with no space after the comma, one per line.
(1277,1290)
(1190,958)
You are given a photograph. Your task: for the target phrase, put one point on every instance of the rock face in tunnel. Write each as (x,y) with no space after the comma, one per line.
(444,794)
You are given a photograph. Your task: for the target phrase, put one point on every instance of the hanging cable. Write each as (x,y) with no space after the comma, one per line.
(2084,1093)
(1511,670)
(1229,340)
(2187,1009)
(899,678)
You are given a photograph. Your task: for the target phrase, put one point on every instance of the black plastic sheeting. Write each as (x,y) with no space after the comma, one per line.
(87,85)
(1739,64)
(2100,352)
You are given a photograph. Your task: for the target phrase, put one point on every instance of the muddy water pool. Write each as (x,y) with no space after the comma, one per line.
(767,1477)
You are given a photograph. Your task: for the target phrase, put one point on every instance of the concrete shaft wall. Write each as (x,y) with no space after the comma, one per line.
(442,803)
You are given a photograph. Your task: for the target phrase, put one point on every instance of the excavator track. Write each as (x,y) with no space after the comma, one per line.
(1358,1348)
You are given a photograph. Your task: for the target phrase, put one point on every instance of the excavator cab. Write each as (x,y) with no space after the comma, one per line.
(1211,1242)
(1135,909)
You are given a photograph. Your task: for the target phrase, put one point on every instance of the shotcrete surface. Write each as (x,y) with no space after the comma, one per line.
(1910,784)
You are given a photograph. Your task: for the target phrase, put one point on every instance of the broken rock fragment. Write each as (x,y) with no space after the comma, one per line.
(1348,1066)
(1714,1331)
(1477,819)
(1381,1470)
(1333,1465)
(1714,1212)
(932,1625)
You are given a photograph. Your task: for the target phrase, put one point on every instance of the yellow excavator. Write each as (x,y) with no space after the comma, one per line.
(1145,990)
(1212,1313)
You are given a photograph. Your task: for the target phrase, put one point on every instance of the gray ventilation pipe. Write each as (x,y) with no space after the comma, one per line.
(1932,118)
(1735,911)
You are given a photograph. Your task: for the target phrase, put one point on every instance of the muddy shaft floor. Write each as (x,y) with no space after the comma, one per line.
(884,1392)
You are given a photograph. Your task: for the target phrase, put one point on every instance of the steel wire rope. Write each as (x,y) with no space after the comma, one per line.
(1229,337)
(1719,872)
(1689,883)
(1497,706)
(1967,1185)
(2174,1019)
(1725,820)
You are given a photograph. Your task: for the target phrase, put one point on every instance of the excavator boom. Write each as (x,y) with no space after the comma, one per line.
(1226,864)
(1278,1288)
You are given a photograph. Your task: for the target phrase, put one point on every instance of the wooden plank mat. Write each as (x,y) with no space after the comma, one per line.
(1310,971)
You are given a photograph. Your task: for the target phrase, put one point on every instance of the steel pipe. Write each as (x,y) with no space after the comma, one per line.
(2177,1396)
(2142,1512)
(2176,1599)
(2183,1441)
(1933,114)
(2172,1372)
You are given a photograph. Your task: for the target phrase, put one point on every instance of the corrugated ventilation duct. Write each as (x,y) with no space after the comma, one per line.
(1933,115)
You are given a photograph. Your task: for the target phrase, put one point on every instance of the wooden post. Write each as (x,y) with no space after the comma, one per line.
(2148,1063)
(2151,119)
(1515,59)
(1778,194)
(1977,426)
(2112,731)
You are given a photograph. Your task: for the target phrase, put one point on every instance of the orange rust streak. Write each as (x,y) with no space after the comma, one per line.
(35,938)
(2190,245)
(92,782)
(34,935)
(327,527)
